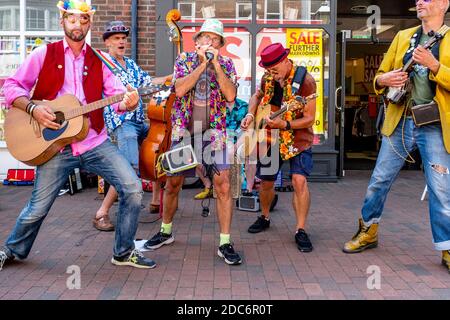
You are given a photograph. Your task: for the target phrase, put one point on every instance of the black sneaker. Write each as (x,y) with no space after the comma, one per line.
(226,252)
(260,225)
(303,242)
(134,259)
(159,240)
(4,257)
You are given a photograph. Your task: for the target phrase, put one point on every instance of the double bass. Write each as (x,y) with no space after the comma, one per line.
(158,112)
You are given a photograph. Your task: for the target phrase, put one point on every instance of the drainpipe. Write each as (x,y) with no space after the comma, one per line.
(134,29)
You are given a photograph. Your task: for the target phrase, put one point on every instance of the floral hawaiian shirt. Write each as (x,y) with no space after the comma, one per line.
(185,63)
(137,78)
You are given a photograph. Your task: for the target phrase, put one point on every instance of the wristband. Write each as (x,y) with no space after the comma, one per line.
(251,115)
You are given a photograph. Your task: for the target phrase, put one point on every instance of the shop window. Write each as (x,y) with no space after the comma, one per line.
(9,62)
(9,17)
(31,43)
(243,11)
(293,11)
(187,10)
(237,11)
(310,48)
(272,9)
(42,15)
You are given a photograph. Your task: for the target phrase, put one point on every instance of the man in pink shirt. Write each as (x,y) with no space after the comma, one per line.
(70,67)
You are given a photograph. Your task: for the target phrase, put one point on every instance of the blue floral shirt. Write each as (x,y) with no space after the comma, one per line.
(137,78)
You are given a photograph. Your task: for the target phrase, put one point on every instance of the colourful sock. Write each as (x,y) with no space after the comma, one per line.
(166,228)
(224,239)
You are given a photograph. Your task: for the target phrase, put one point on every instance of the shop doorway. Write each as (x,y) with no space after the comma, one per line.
(358,108)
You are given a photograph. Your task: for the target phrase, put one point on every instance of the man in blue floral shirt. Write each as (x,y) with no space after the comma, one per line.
(129,128)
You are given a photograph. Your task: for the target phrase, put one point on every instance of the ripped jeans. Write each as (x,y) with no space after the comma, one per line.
(436,162)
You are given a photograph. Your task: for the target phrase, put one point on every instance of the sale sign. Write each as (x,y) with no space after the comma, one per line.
(307,50)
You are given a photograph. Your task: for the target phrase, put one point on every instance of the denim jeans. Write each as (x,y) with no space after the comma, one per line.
(104,160)
(436,163)
(129,136)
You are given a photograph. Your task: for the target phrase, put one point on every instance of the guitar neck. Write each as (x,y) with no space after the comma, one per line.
(278,112)
(94,106)
(428,45)
(145,91)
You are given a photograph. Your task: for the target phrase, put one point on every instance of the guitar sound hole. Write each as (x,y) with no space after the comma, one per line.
(59,117)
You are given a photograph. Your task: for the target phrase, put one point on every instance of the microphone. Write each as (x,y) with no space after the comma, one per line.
(209,55)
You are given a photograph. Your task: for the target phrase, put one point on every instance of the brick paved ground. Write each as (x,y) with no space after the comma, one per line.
(273,268)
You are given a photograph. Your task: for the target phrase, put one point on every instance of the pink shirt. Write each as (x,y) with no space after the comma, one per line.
(22,82)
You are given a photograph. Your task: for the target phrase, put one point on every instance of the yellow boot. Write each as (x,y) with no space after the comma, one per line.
(365,238)
(446,259)
(206,193)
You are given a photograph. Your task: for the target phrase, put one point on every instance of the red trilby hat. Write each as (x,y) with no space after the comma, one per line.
(273,54)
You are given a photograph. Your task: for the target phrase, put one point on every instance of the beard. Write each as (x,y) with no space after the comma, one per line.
(72,36)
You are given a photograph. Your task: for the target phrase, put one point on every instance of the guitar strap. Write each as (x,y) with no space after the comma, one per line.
(111,65)
(299,77)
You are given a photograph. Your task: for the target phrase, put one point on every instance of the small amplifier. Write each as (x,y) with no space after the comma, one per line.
(248,203)
(179,159)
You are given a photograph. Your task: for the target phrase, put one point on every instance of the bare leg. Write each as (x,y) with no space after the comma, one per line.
(156,188)
(205,179)
(250,172)
(173,187)
(301,199)
(224,200)
(107,203)
(266,195)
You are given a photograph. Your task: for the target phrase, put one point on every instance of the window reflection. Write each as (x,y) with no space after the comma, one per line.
(298,12)
(9,15)
(42,15)
(237,11)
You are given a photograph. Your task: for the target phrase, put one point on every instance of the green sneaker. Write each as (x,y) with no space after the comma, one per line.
(134,259)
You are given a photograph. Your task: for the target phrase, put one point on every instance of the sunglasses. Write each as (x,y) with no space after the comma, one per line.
(117,28)
(209,38)
(72,18)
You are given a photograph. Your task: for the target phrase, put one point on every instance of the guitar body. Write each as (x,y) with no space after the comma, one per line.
(255,136)
(259,138)
(35,147)
(159,136)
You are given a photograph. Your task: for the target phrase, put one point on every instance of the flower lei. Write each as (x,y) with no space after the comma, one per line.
(286,137)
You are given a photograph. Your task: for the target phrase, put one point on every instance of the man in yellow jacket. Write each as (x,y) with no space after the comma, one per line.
(430,79)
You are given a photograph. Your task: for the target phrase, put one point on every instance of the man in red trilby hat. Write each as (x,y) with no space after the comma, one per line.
(280,84)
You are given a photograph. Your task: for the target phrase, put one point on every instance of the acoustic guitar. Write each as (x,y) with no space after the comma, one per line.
(34,144)
(260,134)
